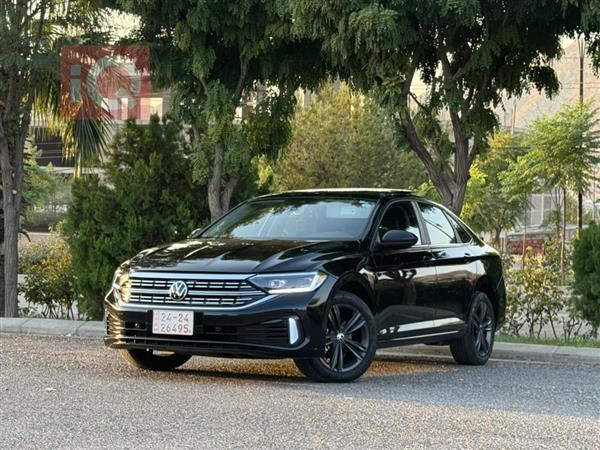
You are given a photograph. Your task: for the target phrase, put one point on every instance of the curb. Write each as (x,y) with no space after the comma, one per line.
(51,327)
(502,350)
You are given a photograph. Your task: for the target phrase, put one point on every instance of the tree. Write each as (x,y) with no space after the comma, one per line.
(147,198)
(562,150)
(29,34)
(468,53)
(586,265)
(345,140)
(491,204)
(213,55)
(562,154)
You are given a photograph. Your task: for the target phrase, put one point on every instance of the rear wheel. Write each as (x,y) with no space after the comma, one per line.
(350,342)
(151,360)
(475,347)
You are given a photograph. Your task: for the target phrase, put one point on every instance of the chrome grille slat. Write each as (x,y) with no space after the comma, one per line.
(222,290)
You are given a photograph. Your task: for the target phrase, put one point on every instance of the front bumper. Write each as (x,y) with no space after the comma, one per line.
(260,331)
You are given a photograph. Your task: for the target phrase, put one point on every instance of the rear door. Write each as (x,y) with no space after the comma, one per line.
(456,269)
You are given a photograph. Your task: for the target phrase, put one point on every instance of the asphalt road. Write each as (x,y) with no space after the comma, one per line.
(73,393)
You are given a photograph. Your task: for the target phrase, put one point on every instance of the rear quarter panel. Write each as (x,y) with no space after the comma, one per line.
(493,271)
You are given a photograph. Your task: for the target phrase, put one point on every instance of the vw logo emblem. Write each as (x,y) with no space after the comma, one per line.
(178,290)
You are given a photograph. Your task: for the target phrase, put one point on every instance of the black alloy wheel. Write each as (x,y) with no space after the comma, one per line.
(475,346)
(350,342)
(347,338)
(483,331)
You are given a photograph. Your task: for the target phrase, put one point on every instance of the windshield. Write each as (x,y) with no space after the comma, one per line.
(295,219)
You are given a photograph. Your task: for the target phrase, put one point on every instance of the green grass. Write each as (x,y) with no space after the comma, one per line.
(577,342)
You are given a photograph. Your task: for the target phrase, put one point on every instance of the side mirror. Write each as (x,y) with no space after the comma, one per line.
(193,233)
(398,239)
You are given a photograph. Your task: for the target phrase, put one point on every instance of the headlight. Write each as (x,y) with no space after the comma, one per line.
(121,285)
(288,283)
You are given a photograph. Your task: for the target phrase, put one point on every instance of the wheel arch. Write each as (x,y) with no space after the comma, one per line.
(484,285)
(356,284)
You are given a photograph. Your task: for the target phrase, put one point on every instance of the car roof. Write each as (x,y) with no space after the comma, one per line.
(371,193)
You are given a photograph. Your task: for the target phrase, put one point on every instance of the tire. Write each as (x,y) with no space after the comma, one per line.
(475,346)
(351,341)
(147,359)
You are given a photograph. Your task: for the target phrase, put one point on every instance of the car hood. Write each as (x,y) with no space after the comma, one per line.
(241,256)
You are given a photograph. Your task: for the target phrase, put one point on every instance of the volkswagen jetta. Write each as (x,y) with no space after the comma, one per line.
(322,276)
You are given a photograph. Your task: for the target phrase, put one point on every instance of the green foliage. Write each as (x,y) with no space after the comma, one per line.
(268,129)
(147,198)
(553,221)
(49,278)
(45,196)
(537,297)
(532,292)
(31,35)
(562,151)
(213,55)
(491,204)
(345,140)
(586,265)
(468,53)
(39,183)
(590,26)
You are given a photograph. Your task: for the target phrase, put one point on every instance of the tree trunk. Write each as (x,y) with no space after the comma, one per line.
(564,236)
(11,231)
(450,184)
(11,166)
(2,295)
(11,238)
(497,233)
(214,184)
(219,197)
(579,212)
(2,298)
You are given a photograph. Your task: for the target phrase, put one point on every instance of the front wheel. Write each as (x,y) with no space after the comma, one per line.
(150,360)
(350,342)
(475,347)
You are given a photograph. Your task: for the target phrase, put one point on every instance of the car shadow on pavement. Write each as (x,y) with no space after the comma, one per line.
(255,370)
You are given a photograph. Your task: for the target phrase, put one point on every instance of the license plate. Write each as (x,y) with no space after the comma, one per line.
(173,322)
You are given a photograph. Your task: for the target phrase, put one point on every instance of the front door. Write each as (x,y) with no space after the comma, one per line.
(405,279)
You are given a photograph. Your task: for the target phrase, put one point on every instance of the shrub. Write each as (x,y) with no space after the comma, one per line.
(538,296)
(586,265)
(146,198)
(49,278)
(533,292)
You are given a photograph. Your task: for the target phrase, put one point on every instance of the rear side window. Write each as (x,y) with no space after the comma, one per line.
(463,234)
(400,216)
(439,228)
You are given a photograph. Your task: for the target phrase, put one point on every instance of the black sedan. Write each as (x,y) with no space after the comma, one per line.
(322,276)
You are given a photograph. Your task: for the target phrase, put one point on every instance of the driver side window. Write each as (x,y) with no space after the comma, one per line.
(400,216)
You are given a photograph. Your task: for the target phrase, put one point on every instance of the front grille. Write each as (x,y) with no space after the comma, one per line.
(205,290)
(272,332)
